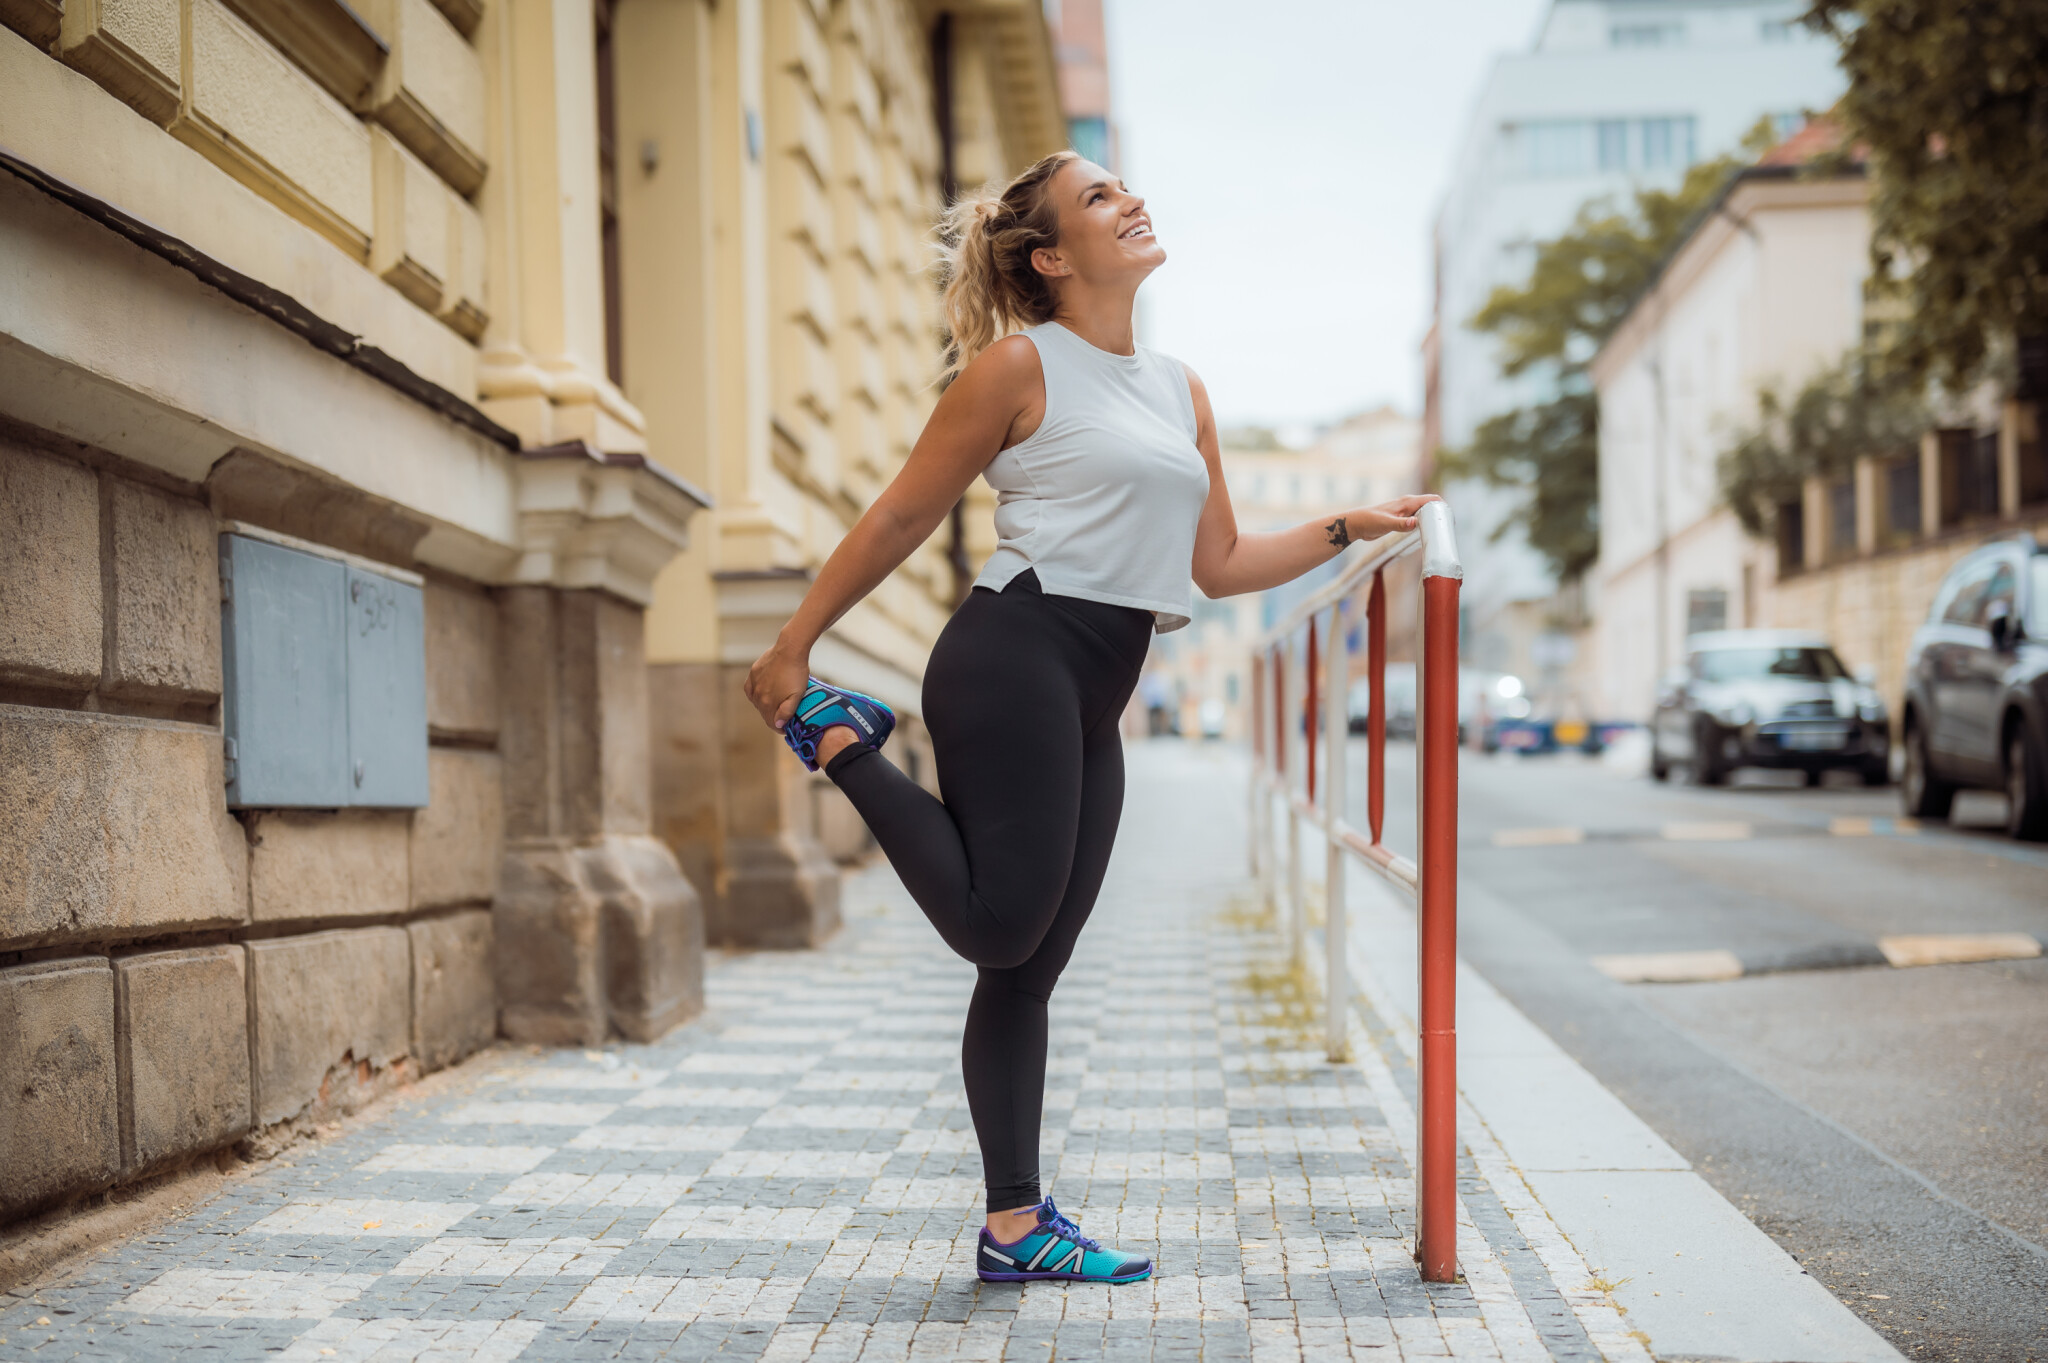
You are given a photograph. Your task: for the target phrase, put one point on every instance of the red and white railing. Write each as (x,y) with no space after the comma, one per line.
(1301,673)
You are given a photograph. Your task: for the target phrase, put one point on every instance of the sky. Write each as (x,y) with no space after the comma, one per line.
(1293,154)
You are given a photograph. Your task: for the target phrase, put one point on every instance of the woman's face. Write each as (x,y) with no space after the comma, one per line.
(1105,232)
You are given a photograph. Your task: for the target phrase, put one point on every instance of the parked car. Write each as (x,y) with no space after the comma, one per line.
(1767,698)
(1976,697)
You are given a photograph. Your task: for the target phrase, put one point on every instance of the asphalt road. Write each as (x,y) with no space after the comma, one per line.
(1888,1127)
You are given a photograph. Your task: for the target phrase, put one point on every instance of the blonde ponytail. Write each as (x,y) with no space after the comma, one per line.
(985,240)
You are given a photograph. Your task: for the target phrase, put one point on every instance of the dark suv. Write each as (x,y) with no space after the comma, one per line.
(1976,708)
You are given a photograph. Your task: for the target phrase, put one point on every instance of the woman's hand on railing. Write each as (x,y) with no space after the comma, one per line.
(1388,518)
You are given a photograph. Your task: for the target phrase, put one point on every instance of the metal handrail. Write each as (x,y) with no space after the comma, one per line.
(1320,623)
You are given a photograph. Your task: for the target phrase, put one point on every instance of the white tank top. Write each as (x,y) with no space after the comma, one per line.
(1102,500)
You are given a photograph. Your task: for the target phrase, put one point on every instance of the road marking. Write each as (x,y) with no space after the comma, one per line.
(1670,967)
(1733,830)
(1851,828)
(1538,837)
(1957,948)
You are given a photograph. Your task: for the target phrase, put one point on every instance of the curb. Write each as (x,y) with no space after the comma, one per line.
(1683,1265)
(1899,951)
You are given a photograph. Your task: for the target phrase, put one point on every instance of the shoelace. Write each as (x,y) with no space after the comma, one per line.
(1058,1224)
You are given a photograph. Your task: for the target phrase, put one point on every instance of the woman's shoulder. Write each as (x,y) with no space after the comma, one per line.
(1009,363)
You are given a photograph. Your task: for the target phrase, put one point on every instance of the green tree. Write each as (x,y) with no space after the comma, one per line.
(1847,411)
(1951,99)
(1581,286)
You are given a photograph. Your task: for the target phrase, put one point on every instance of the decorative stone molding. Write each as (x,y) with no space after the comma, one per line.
(131,50)
(592,519)
(328,40)
(39,21)
(552,401)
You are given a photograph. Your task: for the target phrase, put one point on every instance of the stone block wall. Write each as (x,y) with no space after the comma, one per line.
(177,978)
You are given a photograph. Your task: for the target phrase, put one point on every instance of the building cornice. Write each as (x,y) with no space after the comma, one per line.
(271,303)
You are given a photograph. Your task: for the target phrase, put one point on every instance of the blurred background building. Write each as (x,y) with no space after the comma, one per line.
(1612,95)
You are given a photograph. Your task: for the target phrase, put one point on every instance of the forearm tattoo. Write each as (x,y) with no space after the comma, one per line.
(1339,533)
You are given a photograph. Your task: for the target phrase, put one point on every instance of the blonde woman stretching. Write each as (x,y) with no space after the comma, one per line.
(1110,499)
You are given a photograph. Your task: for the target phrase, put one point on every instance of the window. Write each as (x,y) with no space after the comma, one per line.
(1791,538)
(2037,597)
(1962,603)
(1969,474)
(1090,137)
(1902,498)
(1560,147)
(1552,147)
(608,197)
(1748,664)
(1706,610)
(1613,136)
(2004,590)
(1646,35)
(1667,142)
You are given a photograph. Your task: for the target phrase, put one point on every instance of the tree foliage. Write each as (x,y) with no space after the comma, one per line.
(1847,411)
(1581,286)
(1951,99)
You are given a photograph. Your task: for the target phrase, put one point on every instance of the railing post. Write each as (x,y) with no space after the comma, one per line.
(1254,853)
(1437,902)
(1336,726)
(1279,709)
(1311,682)
(1376,715)
(1294,896)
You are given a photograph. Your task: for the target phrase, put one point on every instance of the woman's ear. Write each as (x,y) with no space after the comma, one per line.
(1047,261)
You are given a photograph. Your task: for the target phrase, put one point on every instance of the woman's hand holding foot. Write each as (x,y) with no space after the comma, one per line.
(777,680)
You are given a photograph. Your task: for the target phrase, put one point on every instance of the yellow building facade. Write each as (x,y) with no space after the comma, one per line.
(781,164)
(368,653)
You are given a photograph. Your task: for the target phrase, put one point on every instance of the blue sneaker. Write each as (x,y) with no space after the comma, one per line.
(1056,1250)
(822,707)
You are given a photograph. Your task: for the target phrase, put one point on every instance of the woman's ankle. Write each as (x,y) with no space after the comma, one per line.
(835,741)
(1011,1226)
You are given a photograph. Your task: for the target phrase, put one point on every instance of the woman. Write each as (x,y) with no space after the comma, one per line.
(1111,499)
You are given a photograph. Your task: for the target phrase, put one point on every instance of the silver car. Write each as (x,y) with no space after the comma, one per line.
(1767,698)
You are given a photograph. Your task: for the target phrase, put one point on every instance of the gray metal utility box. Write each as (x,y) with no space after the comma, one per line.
(324,681)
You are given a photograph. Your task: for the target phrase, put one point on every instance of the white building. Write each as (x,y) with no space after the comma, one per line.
(1613,94)
(1767,290)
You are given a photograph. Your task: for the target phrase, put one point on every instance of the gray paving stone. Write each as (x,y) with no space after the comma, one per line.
(795,1175)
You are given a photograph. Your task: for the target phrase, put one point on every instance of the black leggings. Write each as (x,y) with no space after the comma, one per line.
(1022,697)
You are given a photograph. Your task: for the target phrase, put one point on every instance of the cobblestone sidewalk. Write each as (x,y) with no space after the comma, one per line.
(794,1175)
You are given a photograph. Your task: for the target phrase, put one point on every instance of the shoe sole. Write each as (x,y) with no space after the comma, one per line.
(989,1277)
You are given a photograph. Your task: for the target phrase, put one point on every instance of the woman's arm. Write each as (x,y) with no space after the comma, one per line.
(1228,562)
(981,413)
